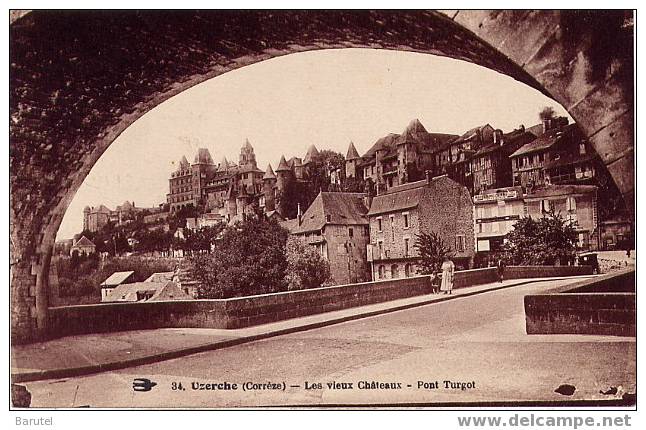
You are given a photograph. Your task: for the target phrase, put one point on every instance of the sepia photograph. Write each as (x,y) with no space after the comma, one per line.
(322,209)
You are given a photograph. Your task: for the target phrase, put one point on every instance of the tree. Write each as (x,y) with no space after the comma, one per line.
(540,242)
(432,251)
(248,259)
(547,113)
(306,268)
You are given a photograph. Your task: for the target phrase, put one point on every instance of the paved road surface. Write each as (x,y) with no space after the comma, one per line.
(478,342)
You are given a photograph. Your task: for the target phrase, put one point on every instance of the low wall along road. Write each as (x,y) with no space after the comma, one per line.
(253,310)
(604,305)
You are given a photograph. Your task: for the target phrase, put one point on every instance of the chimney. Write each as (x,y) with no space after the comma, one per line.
(522,127)
(497,137)
(547,124)
(428,176)
(299,215)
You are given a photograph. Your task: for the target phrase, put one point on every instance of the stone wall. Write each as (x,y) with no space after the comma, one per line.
(248,311)
(601,306)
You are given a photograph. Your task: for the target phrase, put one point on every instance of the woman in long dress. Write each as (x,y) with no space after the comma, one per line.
(447,276)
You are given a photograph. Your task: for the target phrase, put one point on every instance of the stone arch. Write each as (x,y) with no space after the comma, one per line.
(73,92)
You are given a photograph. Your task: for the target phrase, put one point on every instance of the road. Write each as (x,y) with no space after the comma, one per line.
(477,343)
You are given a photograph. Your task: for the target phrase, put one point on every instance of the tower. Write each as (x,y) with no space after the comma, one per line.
(284,177)
(351,160)
(247,156)
(268,184)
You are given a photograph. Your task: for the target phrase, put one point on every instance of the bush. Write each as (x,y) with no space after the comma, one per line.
(306,268)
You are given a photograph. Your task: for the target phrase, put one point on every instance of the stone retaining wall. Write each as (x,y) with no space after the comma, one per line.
(601,306)
(253,310)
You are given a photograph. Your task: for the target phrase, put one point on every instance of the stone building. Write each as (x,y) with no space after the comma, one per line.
(337,226)
(575,203)
(397,159)
(439,205)
(496,212)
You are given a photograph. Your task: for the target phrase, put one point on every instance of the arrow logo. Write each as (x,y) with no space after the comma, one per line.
(142,384)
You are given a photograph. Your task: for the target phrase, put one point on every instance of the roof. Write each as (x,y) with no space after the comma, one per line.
(247,145)
(117,278)
(560,190)
(282,165)
(224,165)
(311,152)
(160,277)
(83,241)
(545,141)
(352,152)
(183,162)
(334,208)
(203,156)
(408,196)
(511,142)
(166,290)
(289,224)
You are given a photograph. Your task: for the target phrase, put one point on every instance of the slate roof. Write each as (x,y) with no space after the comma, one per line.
(545,141)
(282,165)
(408,196)
(352,152)
(339,208)
(511,140)
(160,277)
(117,278)
(203,156)
(311,152)
(160,291)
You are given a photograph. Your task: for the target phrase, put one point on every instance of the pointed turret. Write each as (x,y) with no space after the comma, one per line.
(352,152)
(183,163)
(269,173)
(203,156)
(224,165)
(311,153)
(282,165)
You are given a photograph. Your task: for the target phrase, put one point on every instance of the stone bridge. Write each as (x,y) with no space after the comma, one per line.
(78,79)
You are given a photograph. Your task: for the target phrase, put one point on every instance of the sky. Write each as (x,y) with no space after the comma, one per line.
(326,98)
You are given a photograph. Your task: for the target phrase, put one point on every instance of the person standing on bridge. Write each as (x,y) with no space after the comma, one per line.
(501,269)
(447,276)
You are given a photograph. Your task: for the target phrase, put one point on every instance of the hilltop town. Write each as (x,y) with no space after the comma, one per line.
(362,214)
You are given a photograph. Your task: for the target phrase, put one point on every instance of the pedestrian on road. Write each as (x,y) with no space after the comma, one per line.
(501,269)
(447,276)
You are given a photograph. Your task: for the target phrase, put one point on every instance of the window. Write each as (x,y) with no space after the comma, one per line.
(581,148)
(406,221)
(407,270)
(570,204)
(459,243)
(350,232)
(406,241)
(379,224)
(545,206)
(382,272)
(394,271)
(392,228)
(380,245)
